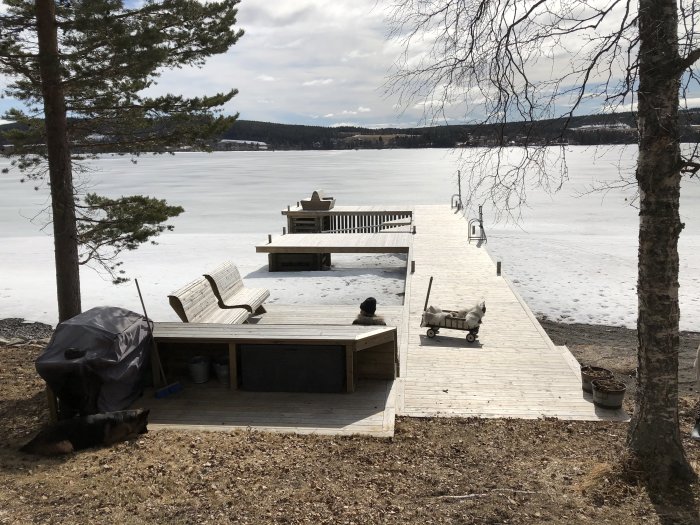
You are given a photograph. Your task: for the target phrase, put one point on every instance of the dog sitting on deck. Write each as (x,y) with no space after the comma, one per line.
(79,433)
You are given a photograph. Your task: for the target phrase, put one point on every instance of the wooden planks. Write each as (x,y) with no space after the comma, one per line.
(513,370)
(329,315)
(266,333)
(211,406)
(384,242)
(381,341)
(196,302)
(227,285)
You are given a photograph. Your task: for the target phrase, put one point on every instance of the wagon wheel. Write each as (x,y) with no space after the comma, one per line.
(471,337)
(431,333)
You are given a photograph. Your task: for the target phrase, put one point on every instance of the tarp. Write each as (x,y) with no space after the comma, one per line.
(95,361)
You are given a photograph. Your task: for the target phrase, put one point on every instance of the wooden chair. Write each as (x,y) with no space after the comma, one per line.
(226,282)
(196,303)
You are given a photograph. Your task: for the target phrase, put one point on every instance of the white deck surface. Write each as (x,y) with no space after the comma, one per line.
(512,370)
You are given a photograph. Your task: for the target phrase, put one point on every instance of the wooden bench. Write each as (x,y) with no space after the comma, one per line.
(196,303)
(339,354)
(230,291)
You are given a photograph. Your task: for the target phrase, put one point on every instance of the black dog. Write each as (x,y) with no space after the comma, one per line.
(89,431)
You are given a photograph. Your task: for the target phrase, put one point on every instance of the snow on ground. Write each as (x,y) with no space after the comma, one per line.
(179,259)
(570,280)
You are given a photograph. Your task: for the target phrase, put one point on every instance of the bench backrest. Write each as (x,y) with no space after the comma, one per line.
(194,302)
(225,280)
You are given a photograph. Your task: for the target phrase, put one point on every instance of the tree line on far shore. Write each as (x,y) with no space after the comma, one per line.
(617,128)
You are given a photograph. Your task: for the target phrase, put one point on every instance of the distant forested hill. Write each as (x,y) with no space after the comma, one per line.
(617,128)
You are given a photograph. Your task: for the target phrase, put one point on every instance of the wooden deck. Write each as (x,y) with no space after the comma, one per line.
(212,406)
(331,315)
(513,370)
(385,242)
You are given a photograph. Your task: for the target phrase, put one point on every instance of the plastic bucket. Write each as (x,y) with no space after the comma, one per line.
(199,368)
(221,369)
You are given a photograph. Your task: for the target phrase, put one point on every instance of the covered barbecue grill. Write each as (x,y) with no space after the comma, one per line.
(95,361)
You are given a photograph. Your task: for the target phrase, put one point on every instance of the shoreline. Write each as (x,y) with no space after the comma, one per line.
(608,346)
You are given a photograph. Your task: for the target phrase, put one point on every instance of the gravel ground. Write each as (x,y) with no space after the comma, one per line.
(13,329)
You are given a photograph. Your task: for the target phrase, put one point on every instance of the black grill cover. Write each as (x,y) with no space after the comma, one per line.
(95,361)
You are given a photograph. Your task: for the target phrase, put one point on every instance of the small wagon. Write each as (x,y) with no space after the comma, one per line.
(454,323)
(435,322)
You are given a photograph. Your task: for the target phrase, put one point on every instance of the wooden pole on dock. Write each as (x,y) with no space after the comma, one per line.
(427,296)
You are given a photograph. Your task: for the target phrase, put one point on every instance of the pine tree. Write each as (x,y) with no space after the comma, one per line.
(81,68)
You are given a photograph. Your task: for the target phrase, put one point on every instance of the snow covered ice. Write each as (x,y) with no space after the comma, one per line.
(572,259)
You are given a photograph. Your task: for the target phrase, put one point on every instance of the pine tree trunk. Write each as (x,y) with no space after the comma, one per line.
(60,173)
(654,435)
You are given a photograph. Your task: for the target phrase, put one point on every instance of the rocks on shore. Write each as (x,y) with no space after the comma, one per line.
(17,331)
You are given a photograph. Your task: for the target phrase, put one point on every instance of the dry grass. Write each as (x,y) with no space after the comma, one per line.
(432,471)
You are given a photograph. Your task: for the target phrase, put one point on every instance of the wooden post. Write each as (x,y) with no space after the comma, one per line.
(349,368)
(156,366)
(232,366)
(498,268)
(427,296)
(53,405)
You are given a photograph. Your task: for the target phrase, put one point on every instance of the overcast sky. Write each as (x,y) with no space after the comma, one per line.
(320,62)
(315,62)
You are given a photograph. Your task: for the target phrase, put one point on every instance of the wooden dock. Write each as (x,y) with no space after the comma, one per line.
(513,370)
(385,242)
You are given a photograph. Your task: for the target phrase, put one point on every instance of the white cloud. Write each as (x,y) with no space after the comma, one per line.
(338,52)
(318,82)
(356,53)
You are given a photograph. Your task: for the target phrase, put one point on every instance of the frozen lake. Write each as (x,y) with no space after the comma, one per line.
(572,258)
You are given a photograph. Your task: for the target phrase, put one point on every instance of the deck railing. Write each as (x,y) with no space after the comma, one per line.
(349,221)
(359,222)
(476,229)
